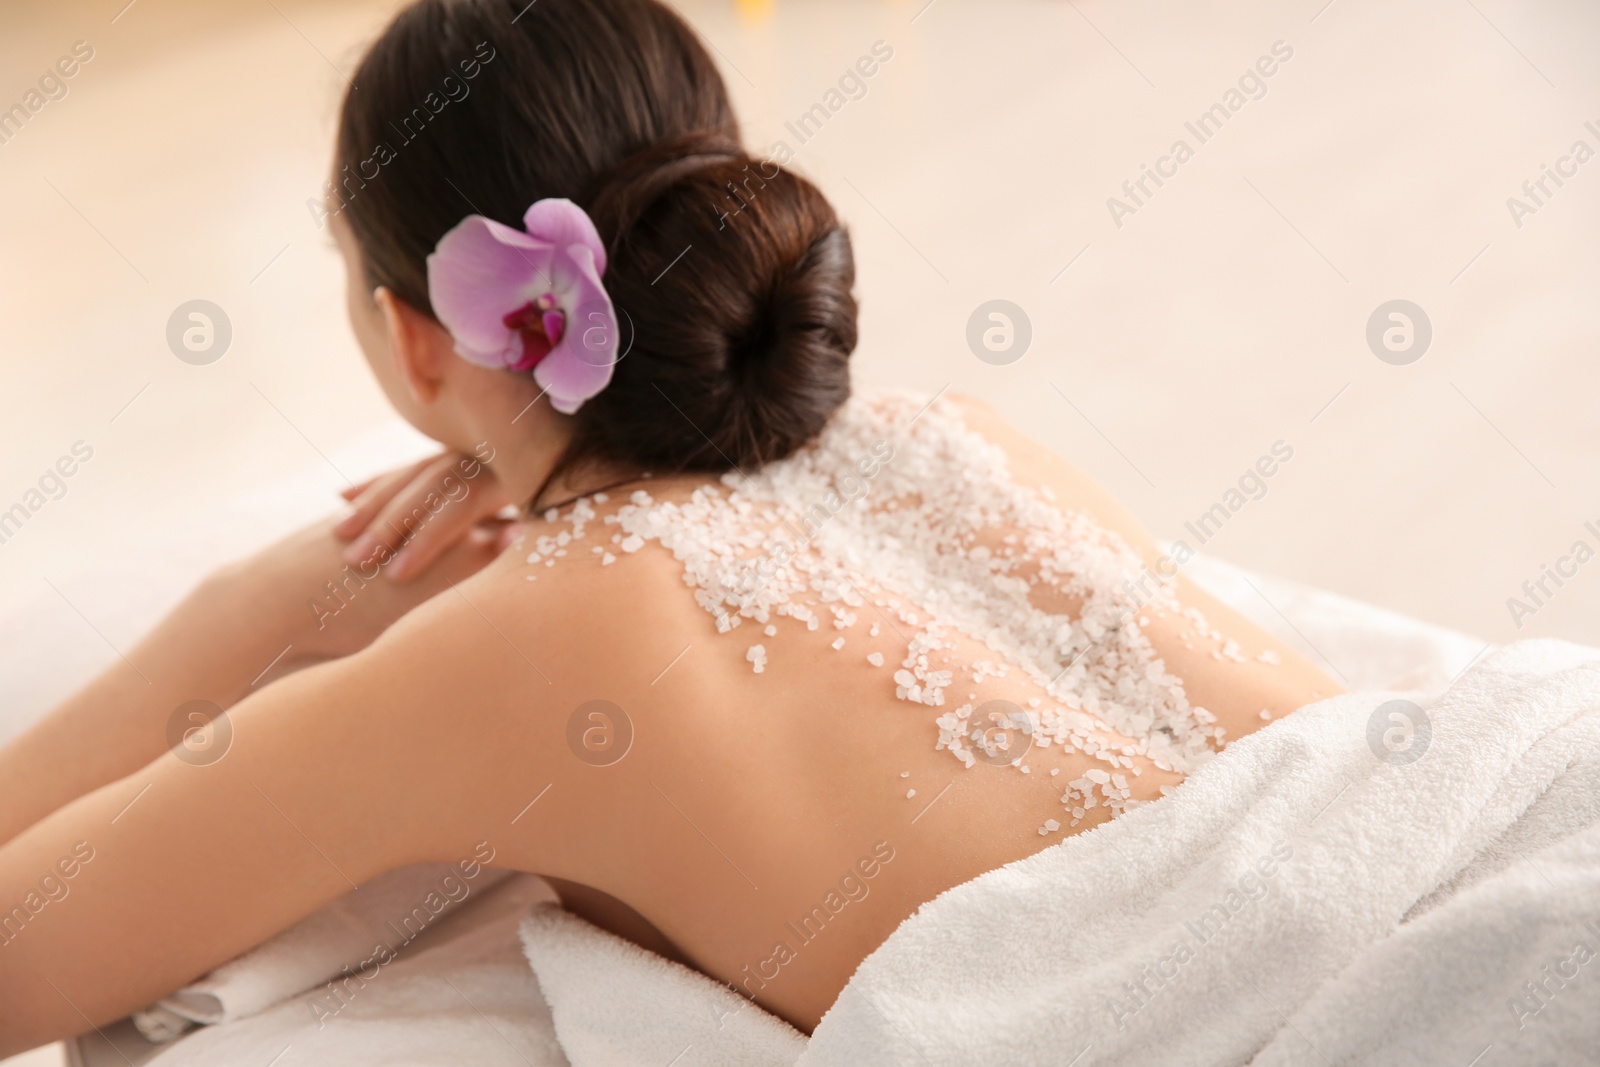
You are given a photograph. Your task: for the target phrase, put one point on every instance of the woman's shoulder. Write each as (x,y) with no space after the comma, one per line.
(580,578)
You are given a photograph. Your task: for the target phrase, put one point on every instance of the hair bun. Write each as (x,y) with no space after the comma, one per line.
(736,278)
(732,277)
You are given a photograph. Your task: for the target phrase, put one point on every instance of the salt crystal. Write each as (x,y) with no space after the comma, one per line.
(910,793)
(1268,656)
(838,643)
(922,548)
(757,655)
(607,560)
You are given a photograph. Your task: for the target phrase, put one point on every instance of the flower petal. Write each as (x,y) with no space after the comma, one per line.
(480,271)
(581,364)
(562,223)
(554,323)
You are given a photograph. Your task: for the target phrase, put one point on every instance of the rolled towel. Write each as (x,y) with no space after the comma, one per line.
(361,931)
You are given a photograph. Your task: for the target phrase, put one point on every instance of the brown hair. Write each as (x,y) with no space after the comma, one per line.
(734,274)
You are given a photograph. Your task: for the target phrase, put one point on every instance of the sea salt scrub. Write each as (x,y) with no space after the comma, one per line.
(901,515)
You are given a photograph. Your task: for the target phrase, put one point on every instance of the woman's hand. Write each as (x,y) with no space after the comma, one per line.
(416,513)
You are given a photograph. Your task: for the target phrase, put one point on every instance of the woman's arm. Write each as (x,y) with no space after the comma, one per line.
(334,775)
(274,611)
(118,722)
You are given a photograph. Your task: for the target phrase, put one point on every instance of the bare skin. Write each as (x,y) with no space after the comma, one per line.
(741,804)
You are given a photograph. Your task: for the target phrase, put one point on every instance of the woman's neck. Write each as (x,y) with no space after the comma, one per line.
(526,456)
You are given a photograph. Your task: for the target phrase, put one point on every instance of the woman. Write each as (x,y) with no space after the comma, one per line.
(760,662)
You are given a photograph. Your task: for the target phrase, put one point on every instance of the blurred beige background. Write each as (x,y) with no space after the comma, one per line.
(1228,312)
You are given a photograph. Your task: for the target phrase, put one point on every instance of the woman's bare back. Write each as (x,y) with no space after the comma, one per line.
(783,720)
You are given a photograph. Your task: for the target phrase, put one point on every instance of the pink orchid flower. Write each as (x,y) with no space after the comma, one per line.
(529,301)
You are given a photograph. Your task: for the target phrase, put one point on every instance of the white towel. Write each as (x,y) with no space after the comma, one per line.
(465,995)
(1368,840)
(615,1003)
(1305,898)
(390,911)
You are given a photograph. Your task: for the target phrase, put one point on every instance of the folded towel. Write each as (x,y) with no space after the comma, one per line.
(616,1003)
(360,931)
(463,994)
(1324,891)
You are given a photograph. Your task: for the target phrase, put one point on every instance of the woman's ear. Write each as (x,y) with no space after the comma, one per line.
(418,345)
